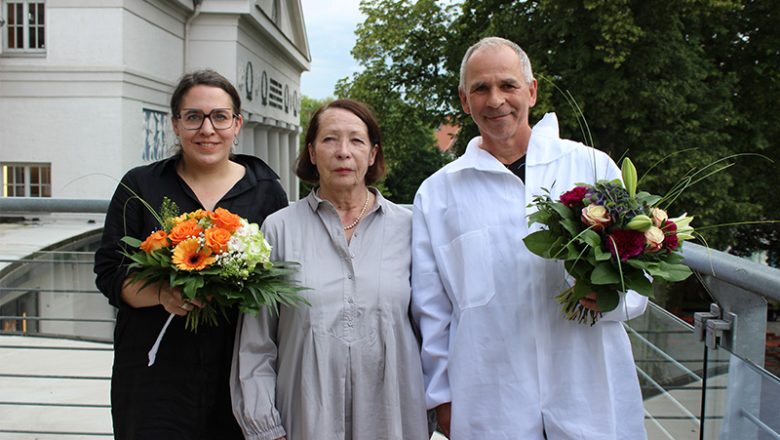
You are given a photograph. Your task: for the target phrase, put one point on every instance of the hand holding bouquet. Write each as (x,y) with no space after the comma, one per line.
(609,237)
(217,258)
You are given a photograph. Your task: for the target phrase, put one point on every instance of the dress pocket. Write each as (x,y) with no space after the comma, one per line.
(467,266)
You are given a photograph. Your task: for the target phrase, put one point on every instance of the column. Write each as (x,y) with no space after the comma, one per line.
(273,149)
(246,140)
(284,161)
(294,193)
(261,142)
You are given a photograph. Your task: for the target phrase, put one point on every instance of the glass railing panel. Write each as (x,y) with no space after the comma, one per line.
(741,400)
(669,362)
(54,388)
(54,294)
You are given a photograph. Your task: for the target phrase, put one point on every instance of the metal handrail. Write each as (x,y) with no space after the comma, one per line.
(747,274)
(22,205)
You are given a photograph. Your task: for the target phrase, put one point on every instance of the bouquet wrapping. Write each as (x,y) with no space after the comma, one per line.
(609,237)
(216,257)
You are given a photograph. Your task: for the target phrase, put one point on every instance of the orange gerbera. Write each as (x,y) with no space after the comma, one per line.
(217,239)
(225,219)
(184,230)
(189,255)
(155,241)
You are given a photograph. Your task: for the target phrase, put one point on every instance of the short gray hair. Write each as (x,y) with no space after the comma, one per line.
(496,42)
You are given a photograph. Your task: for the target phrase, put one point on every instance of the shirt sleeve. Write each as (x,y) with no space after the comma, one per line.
(122,218)
(630,306)
(253,377)
(431,310)
(253,374)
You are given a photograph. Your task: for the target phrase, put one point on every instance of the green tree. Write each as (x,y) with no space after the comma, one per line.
(308,107)
(407,127)
(675,87)
(746,43)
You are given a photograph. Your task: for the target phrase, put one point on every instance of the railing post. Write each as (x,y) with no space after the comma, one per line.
(747,337)
(742,331)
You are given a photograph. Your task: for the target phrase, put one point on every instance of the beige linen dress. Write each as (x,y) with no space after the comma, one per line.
(348,366)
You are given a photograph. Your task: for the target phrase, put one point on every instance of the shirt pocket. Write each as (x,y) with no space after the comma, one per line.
(467,266)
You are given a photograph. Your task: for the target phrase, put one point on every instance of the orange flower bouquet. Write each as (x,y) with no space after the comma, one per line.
(216,257)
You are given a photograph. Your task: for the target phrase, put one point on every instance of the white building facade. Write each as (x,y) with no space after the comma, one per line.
(85,85)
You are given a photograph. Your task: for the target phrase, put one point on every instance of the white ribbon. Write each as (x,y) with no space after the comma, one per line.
(153,351)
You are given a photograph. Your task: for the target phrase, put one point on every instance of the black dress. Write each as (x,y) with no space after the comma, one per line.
(185,394)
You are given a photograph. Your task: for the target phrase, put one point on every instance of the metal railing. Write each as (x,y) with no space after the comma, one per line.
(691,389)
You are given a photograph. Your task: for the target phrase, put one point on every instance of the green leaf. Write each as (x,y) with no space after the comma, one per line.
(647,199)
(640,264)
(579,269)
(636,280)
(540,242)
(675,272)
(573,227)
(572,253)
(674,258)
(591,238)
(607,299)
(582,288)
(604,273)
(134,242)
(564,211)
(600,254)
(541,216)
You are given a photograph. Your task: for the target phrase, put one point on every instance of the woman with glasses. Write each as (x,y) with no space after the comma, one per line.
(185,394)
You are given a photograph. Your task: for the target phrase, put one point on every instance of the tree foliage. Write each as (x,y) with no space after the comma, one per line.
(677,86)
(407,127)
(308,107)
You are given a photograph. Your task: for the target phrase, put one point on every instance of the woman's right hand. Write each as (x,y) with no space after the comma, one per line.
(158,294)
(174,302)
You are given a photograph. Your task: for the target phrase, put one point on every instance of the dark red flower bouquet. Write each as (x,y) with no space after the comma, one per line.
(609,238)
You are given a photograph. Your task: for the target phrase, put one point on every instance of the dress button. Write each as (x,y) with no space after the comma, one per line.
(349,276)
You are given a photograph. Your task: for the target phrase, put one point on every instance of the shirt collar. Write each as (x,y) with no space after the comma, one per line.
(543,147)
(168,164)
(314,200)
(477,158)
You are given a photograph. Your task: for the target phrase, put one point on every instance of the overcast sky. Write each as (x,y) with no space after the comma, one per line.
(330,26)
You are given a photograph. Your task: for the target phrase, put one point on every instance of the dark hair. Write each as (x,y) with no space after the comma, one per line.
(206,77)
(307,171)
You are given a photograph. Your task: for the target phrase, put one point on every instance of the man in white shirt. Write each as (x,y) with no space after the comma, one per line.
(500,360)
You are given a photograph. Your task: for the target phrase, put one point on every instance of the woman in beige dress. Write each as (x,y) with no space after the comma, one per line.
(348,366)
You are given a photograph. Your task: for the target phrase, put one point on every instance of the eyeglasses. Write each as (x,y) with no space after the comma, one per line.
(221,119)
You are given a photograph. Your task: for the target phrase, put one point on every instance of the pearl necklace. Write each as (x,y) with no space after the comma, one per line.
(360,216)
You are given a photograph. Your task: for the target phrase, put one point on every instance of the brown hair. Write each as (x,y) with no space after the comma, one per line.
(307,171)
(206,77)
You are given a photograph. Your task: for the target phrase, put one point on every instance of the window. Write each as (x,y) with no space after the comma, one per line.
(157,132)
(24,26)
(26,180)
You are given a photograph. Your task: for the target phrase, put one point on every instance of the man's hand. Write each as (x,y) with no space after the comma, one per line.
(589,302)
(443,418)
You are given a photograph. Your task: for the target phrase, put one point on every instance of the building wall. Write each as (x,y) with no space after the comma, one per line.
(80,106)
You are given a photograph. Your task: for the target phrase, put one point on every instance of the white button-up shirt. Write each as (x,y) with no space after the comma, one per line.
(495,342)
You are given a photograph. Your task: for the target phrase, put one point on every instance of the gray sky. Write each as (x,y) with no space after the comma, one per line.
(330,25)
